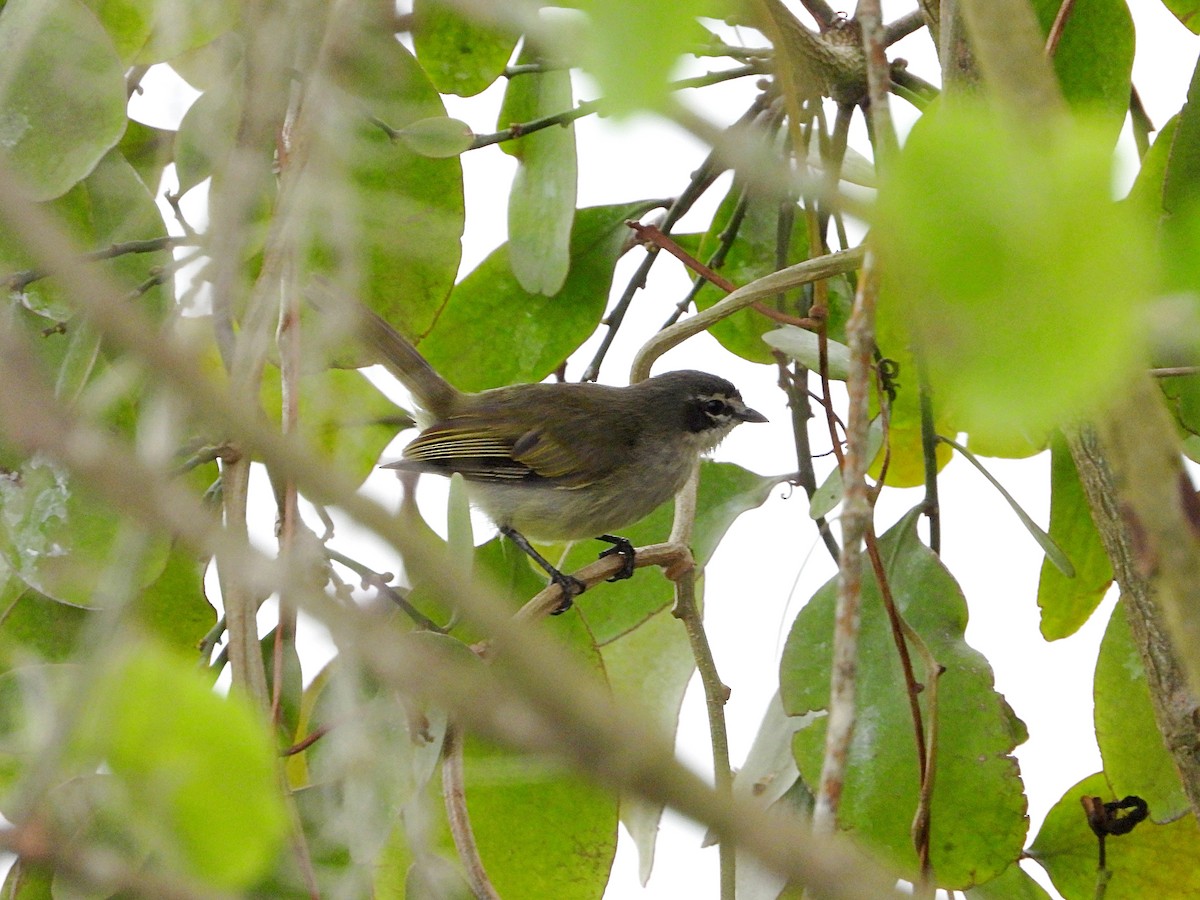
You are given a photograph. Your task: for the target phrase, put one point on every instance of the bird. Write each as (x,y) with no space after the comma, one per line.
(561,461)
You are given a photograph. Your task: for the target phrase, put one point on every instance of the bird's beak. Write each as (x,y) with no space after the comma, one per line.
(746,414)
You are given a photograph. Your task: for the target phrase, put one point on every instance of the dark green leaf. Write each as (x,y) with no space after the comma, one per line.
(541,205)
(1151,861)
(1135,759)
(1067,602)
(459,54)
(148,150)
(62,101)
(36,628)
(971,840)
(174,607)
(539,332)
(1094,58)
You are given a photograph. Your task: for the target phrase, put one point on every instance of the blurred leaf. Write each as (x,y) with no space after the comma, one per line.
(979,806)
(632,48)
(1067,602)
(182,25)
(541,204)
(198,768)
(374,219)
(174,606)
(1019,274)
(1135,758)
(539,332)
(751,255)
(1094,58)
(1180,202)
(438,137)
(1151,861)
(1186,12)
(459,54)
(62,102)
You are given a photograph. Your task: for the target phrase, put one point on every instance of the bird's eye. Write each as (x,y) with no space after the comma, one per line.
(715,407)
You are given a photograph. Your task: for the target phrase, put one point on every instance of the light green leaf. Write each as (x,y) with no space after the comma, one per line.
(829,493)
(198,768)
(1066,601)
(541,205)
(802,345)
(1151,861)
(182,25)
(461,55)
(539,332)
(971,841)
(438,137)
(975,217)
(649,668)
(1135,759)
(62,100)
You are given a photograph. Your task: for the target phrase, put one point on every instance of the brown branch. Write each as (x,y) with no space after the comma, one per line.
(454,795)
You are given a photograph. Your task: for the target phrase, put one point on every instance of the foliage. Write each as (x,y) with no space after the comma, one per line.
(1011,298)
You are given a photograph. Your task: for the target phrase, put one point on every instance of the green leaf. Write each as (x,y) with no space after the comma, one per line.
(199,769)
(539,332)
(459,54)
(62,102)
(1180,205)
(541,205)
(726,491)
(649,668)
(374,219)
(751,255)
(1186,12)
(1017,272)
(1135,759)
(1151,861)
(1067,602)
(1094,58)
(148,150)
(803,346)
(971,841)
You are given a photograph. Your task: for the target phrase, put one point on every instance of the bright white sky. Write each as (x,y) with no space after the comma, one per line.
(770,562)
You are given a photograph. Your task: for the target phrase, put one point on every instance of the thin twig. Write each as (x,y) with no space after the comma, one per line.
(379,581)
(454,795)
(18,281)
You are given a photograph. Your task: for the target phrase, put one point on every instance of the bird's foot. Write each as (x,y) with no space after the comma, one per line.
(623,548)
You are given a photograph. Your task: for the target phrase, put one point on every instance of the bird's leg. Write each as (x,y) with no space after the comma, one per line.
(622,548)
(570,586)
